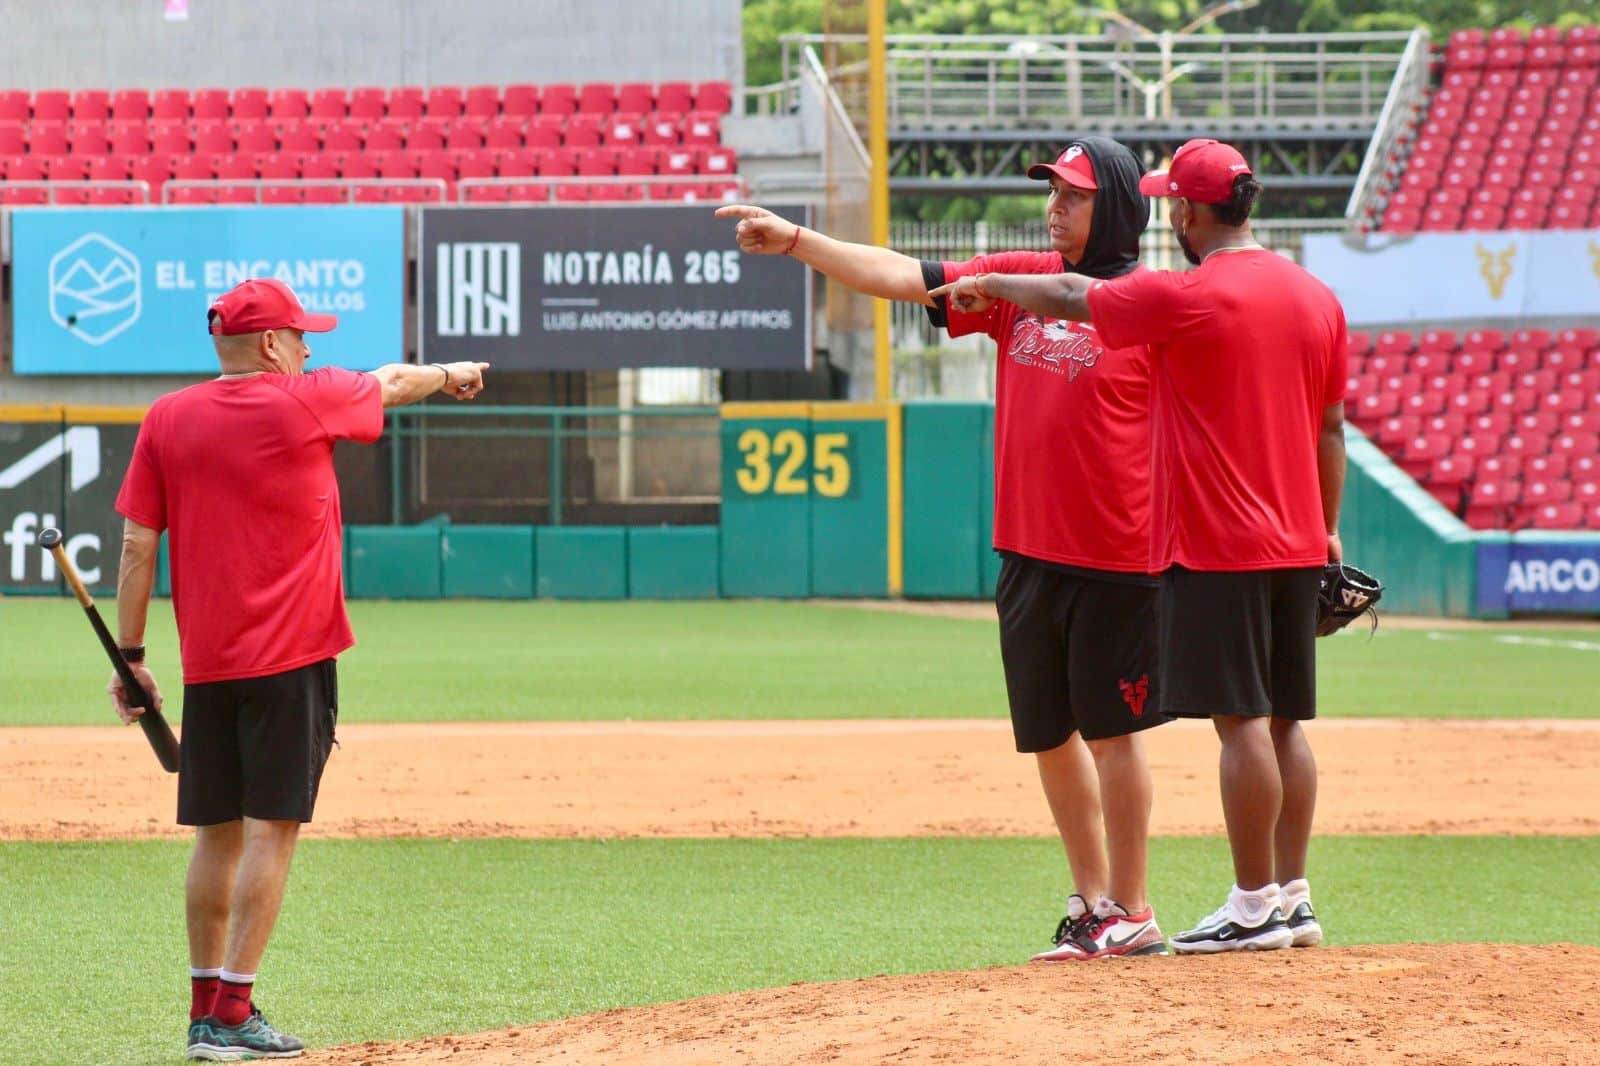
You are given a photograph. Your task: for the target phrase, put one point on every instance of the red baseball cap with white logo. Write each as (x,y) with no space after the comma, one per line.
(1071,166)
(261,304)
(1202,170)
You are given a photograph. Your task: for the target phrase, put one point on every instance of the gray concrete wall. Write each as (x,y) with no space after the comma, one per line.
(110,44)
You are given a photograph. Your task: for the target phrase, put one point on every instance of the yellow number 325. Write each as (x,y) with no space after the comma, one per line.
(788,447)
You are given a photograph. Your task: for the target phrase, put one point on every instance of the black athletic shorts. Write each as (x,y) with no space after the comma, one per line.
(1239,643)
(256,748)
(1079,653)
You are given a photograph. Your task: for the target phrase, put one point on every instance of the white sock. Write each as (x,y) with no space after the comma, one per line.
(237,978)
(205,971)
(1295,893)
(1077,906)
(1253,907)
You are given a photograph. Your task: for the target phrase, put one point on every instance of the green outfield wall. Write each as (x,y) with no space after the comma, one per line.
(817,500)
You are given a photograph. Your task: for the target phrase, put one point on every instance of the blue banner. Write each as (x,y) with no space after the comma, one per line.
(1527,573)
(125,291)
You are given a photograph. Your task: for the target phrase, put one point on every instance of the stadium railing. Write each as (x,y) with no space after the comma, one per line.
(1395,126)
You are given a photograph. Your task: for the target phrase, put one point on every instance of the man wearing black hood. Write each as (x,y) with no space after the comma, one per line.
(1072,522)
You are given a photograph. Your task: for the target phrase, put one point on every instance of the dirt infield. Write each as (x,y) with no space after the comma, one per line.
(1456,1004)
(796,778)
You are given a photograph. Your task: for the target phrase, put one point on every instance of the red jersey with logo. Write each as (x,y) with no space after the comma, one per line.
(239,472)
(1071,431)
(1246,351)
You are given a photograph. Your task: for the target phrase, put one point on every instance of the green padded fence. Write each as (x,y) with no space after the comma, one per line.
(394,562)
(488,562)
(582,562)
(1392,527)
(946,474)
(672,562)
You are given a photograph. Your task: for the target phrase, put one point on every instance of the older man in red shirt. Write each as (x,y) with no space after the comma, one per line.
(239,473)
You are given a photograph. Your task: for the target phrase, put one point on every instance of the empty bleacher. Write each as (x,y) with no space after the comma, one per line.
(1510,138)
(517,143)
(1503,429)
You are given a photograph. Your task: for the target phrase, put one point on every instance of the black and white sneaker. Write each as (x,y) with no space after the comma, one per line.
(1302,922)
(1226,930)
(1079,917)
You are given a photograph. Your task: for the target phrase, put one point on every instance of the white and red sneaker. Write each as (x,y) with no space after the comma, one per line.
(1079,917)
(1113,934)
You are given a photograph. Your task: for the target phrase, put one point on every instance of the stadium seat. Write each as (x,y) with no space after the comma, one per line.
(597,98)
(557,99)
(26,168)
(623,129)
(47,138)
(1489,503)
(285,104)
(343,135)
(445,102)
(15,105)
(88,139)
(329,105)
(250,104)
(636,97)
(583,131)
(130,105)
(714,96)
(52,105)
(1555,516)
(702,128)
(385,137)
(506,131)
(213,138)
(426,136)
(406,102)
(299,137)
(675,98)
(255,136)
(13,140)
(521,101)
(367,103)
(482,102)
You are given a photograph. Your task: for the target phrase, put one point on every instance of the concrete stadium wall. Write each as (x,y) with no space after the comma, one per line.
(73,44)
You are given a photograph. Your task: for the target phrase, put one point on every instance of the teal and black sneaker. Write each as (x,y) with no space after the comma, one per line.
(253,1038)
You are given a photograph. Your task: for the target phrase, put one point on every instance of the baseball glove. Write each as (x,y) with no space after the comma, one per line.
(1345,594)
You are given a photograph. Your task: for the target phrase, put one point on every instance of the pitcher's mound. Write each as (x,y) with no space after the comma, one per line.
(1416,1004)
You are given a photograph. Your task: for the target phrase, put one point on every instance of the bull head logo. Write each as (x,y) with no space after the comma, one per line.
(1496,268)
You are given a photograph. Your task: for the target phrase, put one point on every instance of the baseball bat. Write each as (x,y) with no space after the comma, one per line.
(156,729)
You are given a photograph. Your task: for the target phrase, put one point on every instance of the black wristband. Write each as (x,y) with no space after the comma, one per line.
(134,654)
(441,368)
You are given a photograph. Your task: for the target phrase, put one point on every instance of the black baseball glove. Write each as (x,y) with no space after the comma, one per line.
(1344,595)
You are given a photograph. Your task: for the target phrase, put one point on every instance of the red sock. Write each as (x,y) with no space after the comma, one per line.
(203,992)
(233,1002)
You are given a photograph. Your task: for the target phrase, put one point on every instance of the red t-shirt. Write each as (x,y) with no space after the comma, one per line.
(1246,351)
(239,472)
(1071,431)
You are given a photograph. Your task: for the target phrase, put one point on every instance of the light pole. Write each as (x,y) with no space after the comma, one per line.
(1127,29)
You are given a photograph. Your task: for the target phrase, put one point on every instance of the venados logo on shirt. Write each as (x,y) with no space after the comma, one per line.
(1054,346)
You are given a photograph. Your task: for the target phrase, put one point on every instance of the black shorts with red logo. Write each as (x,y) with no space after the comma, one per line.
(1079,648)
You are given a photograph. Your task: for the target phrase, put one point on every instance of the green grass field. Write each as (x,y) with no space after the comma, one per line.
(542,661)
(390,939)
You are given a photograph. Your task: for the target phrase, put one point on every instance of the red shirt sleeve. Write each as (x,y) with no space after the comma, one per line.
(1337,382)
(143,497)
(992,322)
(1141,308)
(349,405)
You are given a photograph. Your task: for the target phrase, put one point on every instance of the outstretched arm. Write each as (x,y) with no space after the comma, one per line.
(1058,296)
(405,383)
(863,267)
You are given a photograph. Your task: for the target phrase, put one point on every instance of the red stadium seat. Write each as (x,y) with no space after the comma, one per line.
(88,139)
(1554,516)
(1483,340)
(721,162)
(405,102)
(1537,490)
(130,139)
(637,97)
(661,130)
(623,130)
(329,104)
(385,137)
(86,105)
(47,138)
(521,101)
(171,138)
(482,102)
(213,138)
(426,136)
(523,163)
(284,104)
(11,196)
(357,166)
(558,99)
(368,103)
(324,167)
(583,131)
(170,105)
(465,136)
(596,163)
(130,105)
(475,194)
(1437,340)
(1377,405)
(299,137)
(250,103)
(1489,503)
(675,98)
(255,136)
(445,102)
(597,98)
(236,168)
(702,128)
(474,165)
(678,161)
(52,106)
(283,194)
(1468,401)
(343,135)
(714,96)
(506,131)
(1546,467)
(66,168)
(1358,343)
(15,105)
(572,194)
(13,141)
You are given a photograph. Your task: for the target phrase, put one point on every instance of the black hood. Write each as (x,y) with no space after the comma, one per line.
(1121,212)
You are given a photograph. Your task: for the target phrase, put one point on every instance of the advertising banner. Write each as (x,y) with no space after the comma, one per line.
(1527,573)
(595,288)
(66,474)
(125,291)
(1460,277)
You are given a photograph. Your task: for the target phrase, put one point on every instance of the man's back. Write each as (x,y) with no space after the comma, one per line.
(1246,352)
(239,471)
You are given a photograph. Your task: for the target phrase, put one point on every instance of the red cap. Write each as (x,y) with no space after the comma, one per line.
(1202,171)
(261,304)
(1072,166)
